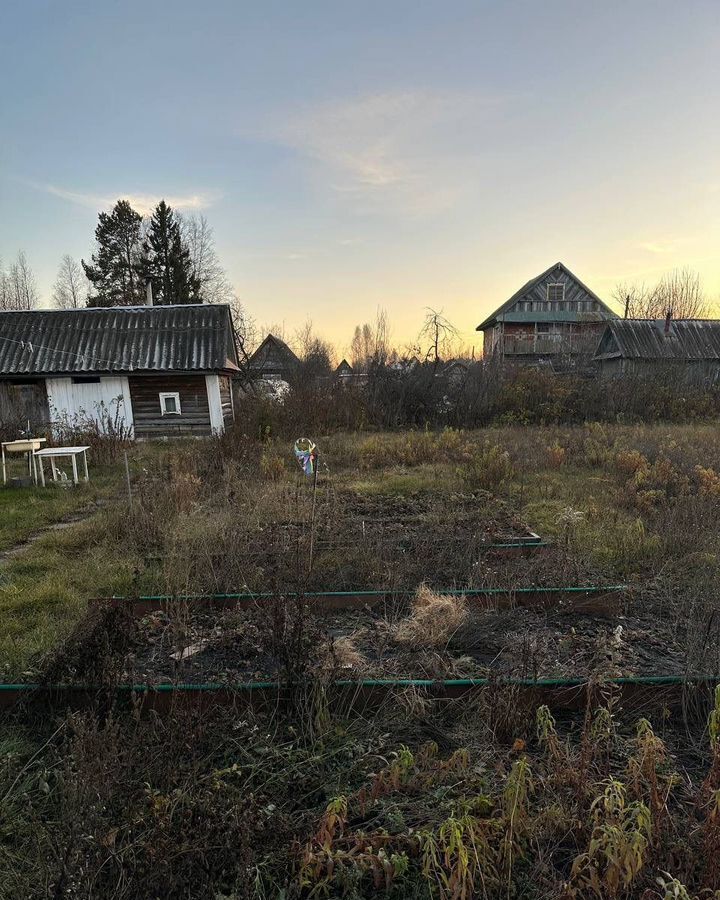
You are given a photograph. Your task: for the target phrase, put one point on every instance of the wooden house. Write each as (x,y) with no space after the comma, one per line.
(157,371)
(686,350)
(344,370)
(273,360)
(553,318)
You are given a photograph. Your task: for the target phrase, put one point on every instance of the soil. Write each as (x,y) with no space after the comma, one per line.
(230,646)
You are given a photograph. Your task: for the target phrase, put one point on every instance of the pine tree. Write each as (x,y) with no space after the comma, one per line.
(167,260)
(116,268)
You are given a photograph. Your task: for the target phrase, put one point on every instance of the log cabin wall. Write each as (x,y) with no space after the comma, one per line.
(194,417)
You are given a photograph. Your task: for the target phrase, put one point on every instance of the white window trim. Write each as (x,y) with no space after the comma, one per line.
(555,284)
(170,412)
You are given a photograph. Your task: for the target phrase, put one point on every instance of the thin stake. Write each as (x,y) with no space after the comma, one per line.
(127,477)
(312,514)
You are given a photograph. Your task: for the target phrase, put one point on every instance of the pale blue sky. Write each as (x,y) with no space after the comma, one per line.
(356,155)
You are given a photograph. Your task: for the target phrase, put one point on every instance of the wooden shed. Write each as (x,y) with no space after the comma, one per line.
(686,349)
(160,371)
(273,360)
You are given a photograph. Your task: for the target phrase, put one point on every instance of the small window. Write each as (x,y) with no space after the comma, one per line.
(543,328)
(555,293)
(86,379)
(170,404)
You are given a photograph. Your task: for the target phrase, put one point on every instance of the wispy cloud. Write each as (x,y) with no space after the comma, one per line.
(658,247)
(143,203)
(410,149)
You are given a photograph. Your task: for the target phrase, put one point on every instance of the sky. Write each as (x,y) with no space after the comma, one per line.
(400,154)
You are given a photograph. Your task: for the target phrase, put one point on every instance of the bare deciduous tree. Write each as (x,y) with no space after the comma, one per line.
(17,286)
(215,287)
(679,292)
(199,238)
(317,355)
(439,332)
(71,288)
(370,343)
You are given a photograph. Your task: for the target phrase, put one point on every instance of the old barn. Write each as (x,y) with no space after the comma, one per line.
(160,371)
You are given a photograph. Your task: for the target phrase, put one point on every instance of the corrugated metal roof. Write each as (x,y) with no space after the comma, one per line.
(191,337)
(646,339)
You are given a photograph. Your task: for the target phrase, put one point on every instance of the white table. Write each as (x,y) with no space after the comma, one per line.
(27,445)
(52,453)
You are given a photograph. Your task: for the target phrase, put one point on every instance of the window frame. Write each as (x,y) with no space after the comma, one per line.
(555,284)
(164,395)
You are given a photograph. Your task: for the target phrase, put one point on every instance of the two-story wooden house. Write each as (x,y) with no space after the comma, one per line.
(553,318)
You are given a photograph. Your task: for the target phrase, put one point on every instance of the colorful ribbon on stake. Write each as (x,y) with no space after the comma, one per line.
(306,455)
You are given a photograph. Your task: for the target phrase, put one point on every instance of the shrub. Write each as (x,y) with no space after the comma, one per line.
(105,433)
(708,482)
(556,455)
(628,462)
(488,469)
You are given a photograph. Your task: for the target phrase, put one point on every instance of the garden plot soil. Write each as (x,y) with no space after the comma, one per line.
(385,541)
(232,647)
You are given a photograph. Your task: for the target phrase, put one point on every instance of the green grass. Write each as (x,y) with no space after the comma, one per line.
(25,511)
(403,482)
(44,591)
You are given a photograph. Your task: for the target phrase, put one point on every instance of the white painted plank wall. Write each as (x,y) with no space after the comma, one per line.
(217,423)
(99,401)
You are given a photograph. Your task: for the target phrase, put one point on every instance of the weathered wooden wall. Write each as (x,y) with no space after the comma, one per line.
(22,402)
(663,371)
(576,299)
(194,420)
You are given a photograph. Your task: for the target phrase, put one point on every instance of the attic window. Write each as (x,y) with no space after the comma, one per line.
(555,293)
(86,379)
(170,404)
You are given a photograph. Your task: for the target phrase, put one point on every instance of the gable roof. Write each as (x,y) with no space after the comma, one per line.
(344,367)
(687,339)
(538,316)
(184,338)
(272,353)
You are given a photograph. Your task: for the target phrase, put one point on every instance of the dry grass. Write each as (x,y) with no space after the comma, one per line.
(433,621)
(343,654)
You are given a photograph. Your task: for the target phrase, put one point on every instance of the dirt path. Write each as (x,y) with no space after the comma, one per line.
(13,552)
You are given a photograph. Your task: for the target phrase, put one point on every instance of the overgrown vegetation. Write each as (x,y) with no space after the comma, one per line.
(315,796)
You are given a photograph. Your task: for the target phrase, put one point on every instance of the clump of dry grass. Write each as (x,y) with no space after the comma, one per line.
(345,655)
(433,621)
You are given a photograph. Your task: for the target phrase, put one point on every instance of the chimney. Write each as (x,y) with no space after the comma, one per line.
(148,292)
(668,320)
(627,306)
